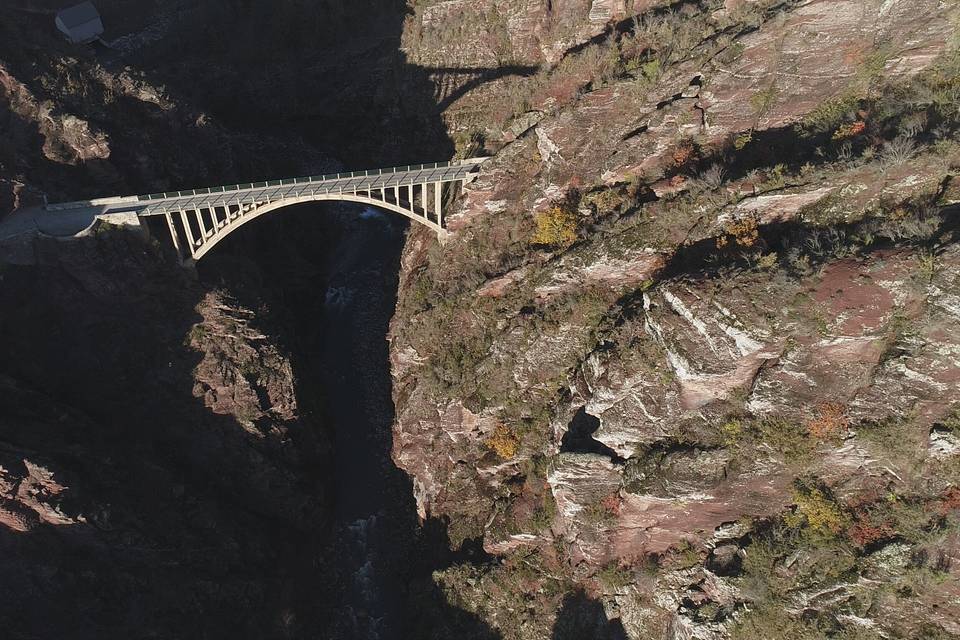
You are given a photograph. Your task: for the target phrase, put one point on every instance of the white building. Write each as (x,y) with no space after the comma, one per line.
(80,23)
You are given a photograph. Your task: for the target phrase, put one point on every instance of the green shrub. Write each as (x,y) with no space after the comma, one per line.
(684,556)
(771,621)
(650,70)
(952,420)
(817,514)
(197,334)
(455,366)
(545,512)
(899,439)
(791,439)
(613,577)
(731,432)
(421,292)
(600,514)
(829,115)
(763,100)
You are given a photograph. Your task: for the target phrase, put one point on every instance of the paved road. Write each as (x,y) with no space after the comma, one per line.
(37,219)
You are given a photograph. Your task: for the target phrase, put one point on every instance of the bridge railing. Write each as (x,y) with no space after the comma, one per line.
(308,179)
(133,200)
(97,202)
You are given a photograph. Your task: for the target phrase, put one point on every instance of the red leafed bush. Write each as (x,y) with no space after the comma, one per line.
(683,153)
(831,422)
(865,531)
(851,130)
(611,504)
(949,501)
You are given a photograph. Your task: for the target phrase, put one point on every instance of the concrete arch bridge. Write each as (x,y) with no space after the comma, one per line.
(199,219)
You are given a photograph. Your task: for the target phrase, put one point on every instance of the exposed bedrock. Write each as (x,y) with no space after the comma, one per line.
(706,293)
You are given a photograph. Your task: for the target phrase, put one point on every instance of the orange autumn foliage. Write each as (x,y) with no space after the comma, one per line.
(831,422)
(851,130)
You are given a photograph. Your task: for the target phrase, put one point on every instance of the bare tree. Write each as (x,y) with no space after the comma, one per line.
(711,179)
(898,151)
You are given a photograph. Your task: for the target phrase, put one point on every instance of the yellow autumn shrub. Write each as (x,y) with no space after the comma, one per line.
(556,227)
(503,442)
(817,513)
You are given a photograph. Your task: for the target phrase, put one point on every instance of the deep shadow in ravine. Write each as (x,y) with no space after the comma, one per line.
(173,521)
(334,275)
(581,617)
(315,84)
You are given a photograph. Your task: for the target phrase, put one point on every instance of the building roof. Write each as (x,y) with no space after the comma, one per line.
(78,15)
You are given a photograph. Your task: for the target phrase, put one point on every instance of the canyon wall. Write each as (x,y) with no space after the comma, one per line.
(152,445)
(690,347)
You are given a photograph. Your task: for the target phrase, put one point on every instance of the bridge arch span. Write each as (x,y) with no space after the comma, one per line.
(229,224)
(199,220)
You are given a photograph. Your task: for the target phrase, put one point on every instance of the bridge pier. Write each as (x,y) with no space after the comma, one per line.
(173,235)
(188,232)
(204,234)
(424,201)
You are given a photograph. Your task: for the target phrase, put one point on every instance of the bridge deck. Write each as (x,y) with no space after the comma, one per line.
(351,182)
(199,218)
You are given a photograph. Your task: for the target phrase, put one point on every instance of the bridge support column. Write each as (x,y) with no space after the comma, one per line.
(173,235)
(203,227)
(189,232)
(437,204)
(410,197)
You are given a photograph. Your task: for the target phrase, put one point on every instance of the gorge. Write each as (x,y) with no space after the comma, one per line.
(685,364)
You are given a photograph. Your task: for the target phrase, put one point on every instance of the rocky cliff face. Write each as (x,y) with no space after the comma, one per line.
(691,345)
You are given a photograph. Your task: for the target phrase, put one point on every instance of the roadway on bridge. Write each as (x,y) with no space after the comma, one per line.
(72,218)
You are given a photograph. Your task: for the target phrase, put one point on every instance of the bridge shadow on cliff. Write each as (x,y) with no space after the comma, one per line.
(337,80)
(472,78)
(301,89)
